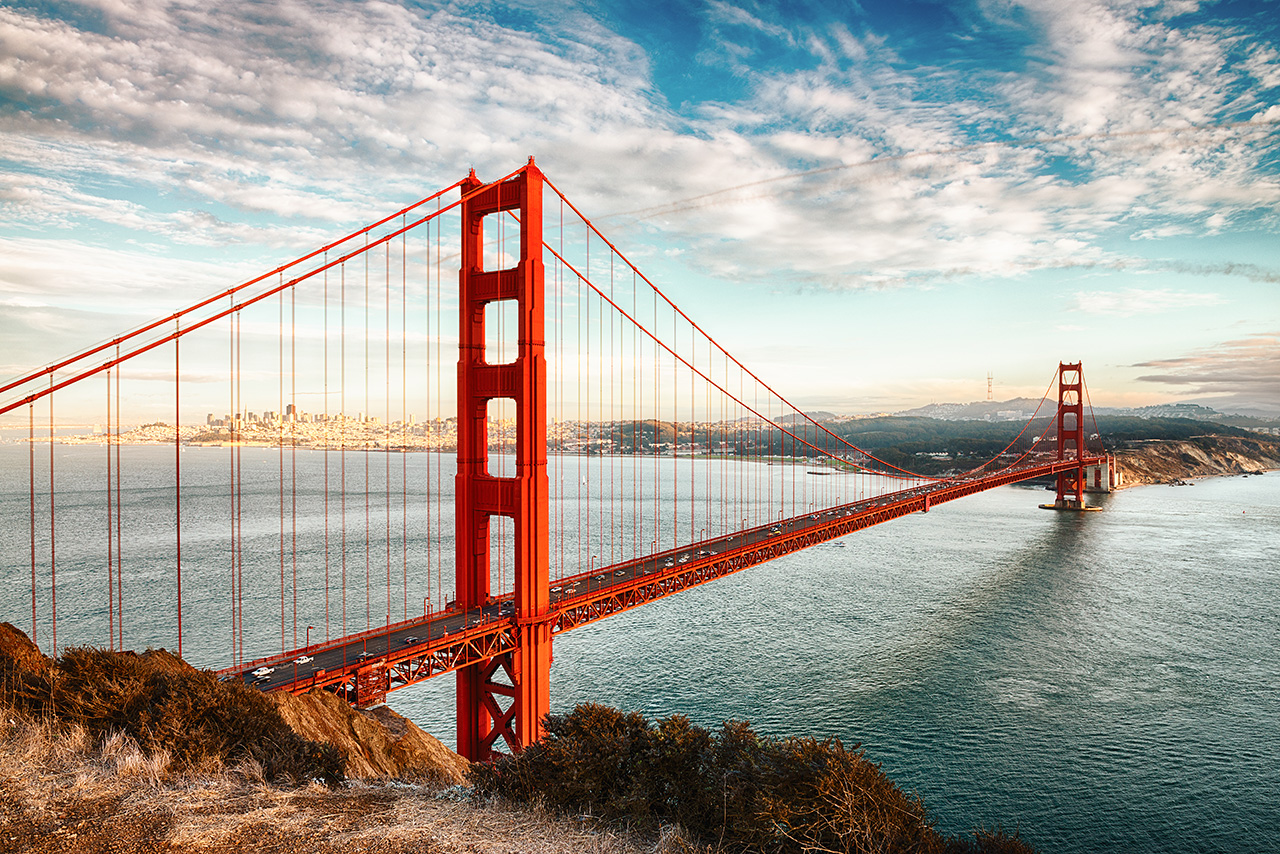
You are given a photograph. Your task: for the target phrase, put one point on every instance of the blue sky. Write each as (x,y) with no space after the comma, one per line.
(872,204)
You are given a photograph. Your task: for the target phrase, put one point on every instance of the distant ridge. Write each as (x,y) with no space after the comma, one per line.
(1017,409)
(819,416)
(1021,408)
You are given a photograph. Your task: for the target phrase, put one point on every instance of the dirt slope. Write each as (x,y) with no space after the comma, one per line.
(377,742)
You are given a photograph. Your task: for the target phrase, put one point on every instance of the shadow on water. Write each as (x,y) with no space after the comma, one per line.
(1001,602)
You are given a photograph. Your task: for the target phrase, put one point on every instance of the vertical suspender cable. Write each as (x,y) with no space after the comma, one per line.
(53,562)
(31,483)
(404,415)
(293,452)
(342,436)
(119,514)
(386,427)
(177,477)
(111,534)
(439,550)
(364,438)
(428,418)
(231,454)
(616,518)
(637,376)
(236,413)
(325,350)
(560,413)
(281,416)
(580,418)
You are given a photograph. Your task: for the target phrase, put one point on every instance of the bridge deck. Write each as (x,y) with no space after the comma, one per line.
(369,664)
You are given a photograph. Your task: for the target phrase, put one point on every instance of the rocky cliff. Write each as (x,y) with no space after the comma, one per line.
(1165,461)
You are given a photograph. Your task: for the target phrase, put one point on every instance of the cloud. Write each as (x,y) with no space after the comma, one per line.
(1135,301)
(848,167)
(1241,374)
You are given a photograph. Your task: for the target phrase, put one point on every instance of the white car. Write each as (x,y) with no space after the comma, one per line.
(264,671)
(303,659)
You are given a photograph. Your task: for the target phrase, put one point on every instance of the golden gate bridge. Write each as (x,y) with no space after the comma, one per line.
(589,448)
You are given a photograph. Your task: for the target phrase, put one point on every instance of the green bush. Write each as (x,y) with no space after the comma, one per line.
(736,790)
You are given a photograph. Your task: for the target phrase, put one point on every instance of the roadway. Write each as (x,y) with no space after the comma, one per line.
(327,663)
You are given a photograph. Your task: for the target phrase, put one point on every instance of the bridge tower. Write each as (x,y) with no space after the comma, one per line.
(1070,435)
(505,696)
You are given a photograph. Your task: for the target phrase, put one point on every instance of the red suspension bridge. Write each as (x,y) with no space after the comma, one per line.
(584,447)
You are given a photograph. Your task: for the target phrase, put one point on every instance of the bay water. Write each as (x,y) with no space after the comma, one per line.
(1099,682)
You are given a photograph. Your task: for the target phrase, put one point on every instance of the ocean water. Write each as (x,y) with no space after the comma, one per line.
(1099,682)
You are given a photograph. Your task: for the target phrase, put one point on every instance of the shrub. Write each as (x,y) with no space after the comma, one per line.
(736,789)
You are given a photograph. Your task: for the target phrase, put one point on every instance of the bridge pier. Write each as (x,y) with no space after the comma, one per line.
(1071,482)
(1102,477)
(507,696)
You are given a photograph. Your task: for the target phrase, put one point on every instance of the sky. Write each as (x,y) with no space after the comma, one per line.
(873,205)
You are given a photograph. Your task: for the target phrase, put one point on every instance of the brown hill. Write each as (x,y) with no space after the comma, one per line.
(170,706)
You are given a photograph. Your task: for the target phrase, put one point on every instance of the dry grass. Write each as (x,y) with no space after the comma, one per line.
(167,706)
(62,792)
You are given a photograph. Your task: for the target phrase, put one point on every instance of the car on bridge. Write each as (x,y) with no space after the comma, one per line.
(303,659)
(264,671)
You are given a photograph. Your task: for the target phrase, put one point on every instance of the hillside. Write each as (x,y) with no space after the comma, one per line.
(127,753)
(1168,461)
(136,754)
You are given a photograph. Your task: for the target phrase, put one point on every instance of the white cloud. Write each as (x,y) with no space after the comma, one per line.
(1135,301)
(302,115)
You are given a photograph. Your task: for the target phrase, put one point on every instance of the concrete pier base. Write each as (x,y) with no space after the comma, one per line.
(1070,504)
